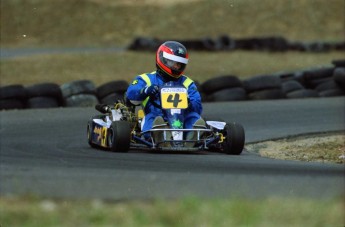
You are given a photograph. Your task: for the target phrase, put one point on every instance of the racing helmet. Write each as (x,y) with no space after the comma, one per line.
(171,59)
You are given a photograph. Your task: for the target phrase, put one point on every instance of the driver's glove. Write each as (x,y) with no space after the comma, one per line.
(150,90)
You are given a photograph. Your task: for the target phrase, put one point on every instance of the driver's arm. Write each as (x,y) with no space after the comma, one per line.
(194,99)
(134,91)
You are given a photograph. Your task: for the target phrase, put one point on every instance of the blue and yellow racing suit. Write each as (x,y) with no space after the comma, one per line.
(136,96)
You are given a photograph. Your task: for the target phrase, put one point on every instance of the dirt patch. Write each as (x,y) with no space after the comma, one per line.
(328,147)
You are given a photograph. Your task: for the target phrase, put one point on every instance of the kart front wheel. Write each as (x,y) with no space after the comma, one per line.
(119,136)
(89,135)
(234,139)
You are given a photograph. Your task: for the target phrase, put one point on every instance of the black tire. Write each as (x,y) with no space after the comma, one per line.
(304,93)
(262,82)
(332,93)
(81,100)
(195,44)
(328,85)
(312,84)
(204,97)
(285,76)
(119,136)
(339,63)
(9,104)
(299,77)
(278,44)
(246,44)
(291,85)
(226,42)
(339,76)
(89,139)
(15,91)
(219,83)
(143,43)
(230,94)
(234,139)
(318,47)
(298,46)
(42,102)
(318,73)
(78,87)
(112,98)
(44,89)
(88,134)
(211,44)
(267,94)
(106,89)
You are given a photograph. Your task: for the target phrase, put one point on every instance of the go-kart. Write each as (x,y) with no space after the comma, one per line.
(118,128)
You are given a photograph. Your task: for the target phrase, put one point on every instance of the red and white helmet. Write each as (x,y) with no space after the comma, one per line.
(171,59)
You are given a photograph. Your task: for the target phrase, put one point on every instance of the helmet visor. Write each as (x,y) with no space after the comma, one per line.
(175,63)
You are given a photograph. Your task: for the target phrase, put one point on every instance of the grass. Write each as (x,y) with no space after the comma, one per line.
(105,67)
(92,23)
(106,22)
(31,211)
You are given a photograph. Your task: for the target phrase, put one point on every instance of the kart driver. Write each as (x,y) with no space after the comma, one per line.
(171,61)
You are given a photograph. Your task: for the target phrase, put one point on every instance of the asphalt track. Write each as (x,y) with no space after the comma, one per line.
(45,153)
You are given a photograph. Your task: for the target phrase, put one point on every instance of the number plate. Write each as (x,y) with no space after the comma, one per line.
(174,98)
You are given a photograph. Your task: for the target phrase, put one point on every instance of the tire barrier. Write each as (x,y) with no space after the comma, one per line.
(13,97)
(44,95)
(79,93)
(310,83)
(226,43)
(111,91)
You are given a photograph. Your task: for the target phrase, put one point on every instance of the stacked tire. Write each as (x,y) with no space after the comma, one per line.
(44,95)
(293,86)
(112,91)
(319,82)
(339,79)
(226,43)
(222,89)
(334,84)
(315,77)
(264,87)
(79,93)
(13,97)
(325,82)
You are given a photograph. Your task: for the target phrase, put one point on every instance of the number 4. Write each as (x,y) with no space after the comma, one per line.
(174,100)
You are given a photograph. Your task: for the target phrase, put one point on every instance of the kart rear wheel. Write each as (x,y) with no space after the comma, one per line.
(234,139)
(119,136)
